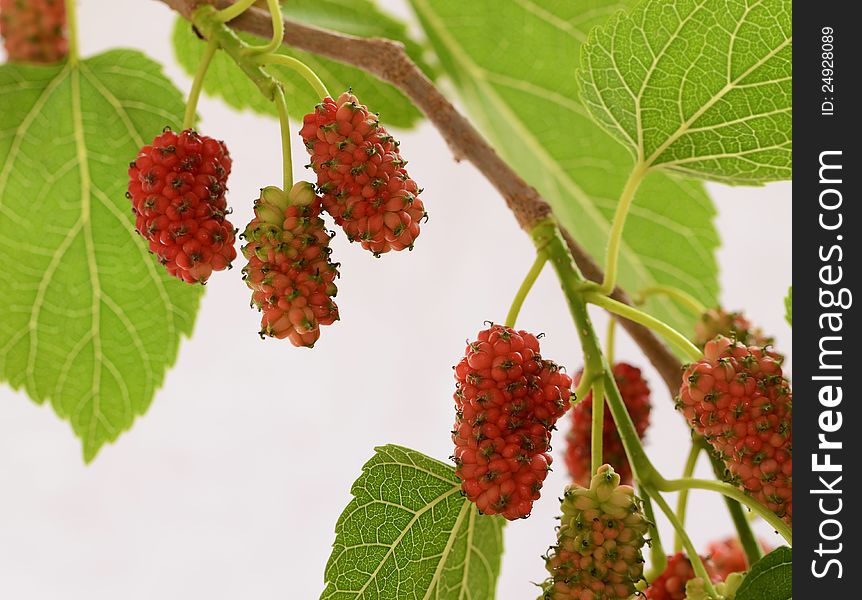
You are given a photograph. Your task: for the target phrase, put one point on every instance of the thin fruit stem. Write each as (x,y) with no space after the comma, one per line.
(728,490)
(682,499)
(610,336)
(615,235)
(690,550)
(197,84)
(524,290)
(298,67)
(234,10)
(633,314)
(584,386)
(658,558)
(284,121)
(72,31)
(750,545)
(681,296)
(277,31)
(596,448)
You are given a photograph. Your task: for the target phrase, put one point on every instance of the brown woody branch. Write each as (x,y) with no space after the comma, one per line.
(387,60)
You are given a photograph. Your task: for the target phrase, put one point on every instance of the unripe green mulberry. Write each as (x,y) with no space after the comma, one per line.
(598,553)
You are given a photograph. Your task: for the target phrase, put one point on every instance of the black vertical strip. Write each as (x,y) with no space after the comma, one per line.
(827,234)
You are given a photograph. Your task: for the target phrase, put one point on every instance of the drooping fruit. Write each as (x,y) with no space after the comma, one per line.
(361,175)
(507,399)
(737,398)
(635,393)
(289,269)
(34,30)
(177,186)
(598,551)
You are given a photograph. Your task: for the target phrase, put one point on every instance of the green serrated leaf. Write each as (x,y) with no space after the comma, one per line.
(788,306)
(358,17)
(513,64)
(770,577)
(409,534)
(90,320)
(701,87)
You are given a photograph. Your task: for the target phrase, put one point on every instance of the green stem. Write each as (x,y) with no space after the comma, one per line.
(610,336)
(681,296)
(284,121)
(728,490)
(682,499)
(615,236)
(72,31)
(633,314)
(658,557)
(596,448)
(547,237)
(693,556)
(524,290)
(750,545)
(277,31)
(206,20)
(197,84)
(298,67)
(234,10)
(584,386)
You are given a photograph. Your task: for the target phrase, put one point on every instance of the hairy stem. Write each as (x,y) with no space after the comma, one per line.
(615,237)
(690,550)
(298,67)
(682,499)
(728,490)
(524,290)
(197,84)
(660,327)
(682,297)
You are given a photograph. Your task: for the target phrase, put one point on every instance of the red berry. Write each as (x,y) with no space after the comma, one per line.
(728,557)
(34,30)
(635,393)
(738,400)
(507,399)
(670,585)
(361,174)
(177,187)
(289,270)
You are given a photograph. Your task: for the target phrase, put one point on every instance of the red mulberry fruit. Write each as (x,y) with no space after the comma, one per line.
(728,557)
(289,271)
(507,400)
(670,585)
(177,187)
(361,175)
(598,552)
(738,400)
(635,393)
(34,30)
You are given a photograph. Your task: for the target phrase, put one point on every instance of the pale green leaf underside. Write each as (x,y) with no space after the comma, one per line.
(514,64)
(702,87)
(355,17)
(90,320)
(770,577)
(409,534)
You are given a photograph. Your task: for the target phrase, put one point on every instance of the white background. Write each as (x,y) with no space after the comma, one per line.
(231,484)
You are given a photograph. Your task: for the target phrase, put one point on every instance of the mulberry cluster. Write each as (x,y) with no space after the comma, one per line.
(361,175)
(34,30)
(289,271)
(507,400)
(738,400)
(598,552)
(671,584)
(733,325)
(635,393)
(177,186)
